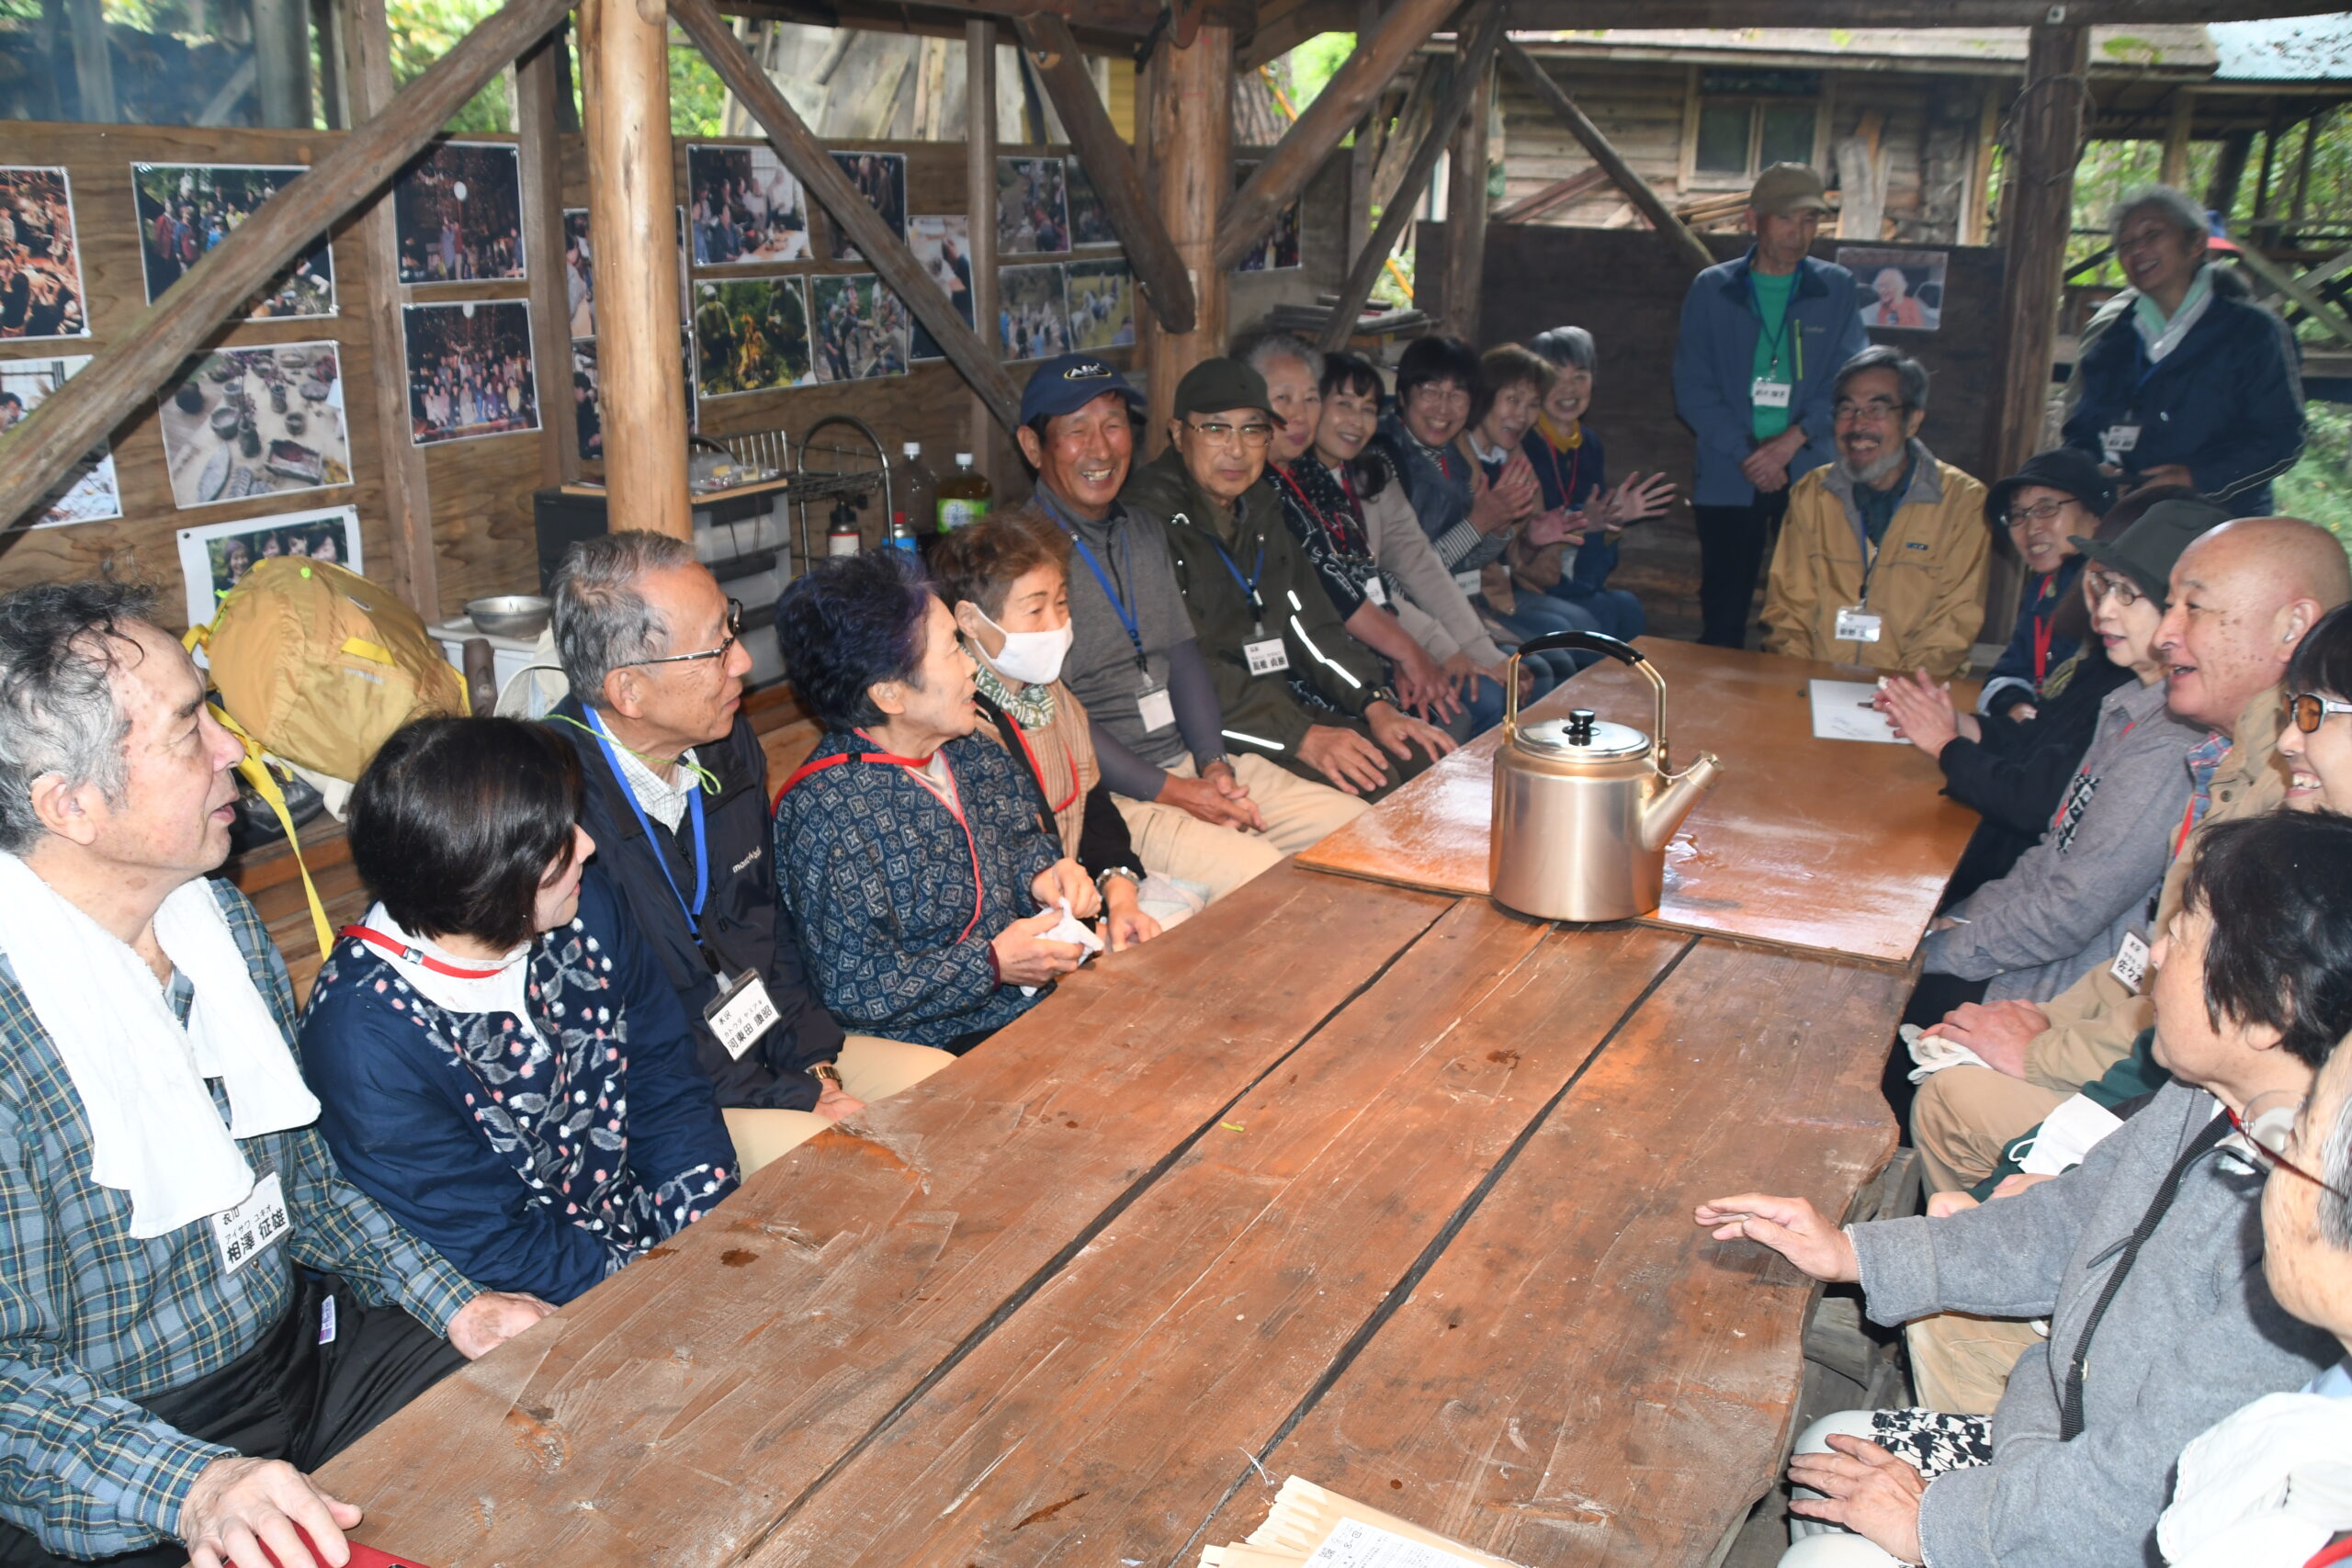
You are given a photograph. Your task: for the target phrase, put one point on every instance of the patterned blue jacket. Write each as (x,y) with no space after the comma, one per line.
(877,876)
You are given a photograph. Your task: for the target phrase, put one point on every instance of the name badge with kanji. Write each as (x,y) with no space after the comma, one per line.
(2116,440)
(1157,710)
(1467,581)
(251,1228)
(1764,394)
(740,1013)
(1857,624)
(2130,965)
(1377,591)
(1267,656)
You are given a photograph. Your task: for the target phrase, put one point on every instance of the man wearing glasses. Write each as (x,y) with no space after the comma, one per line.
(1882,559)
(1294,687)
(676,798)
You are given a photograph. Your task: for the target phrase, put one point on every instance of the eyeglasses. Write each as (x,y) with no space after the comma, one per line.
(2311,710)
(2102,584)
(1254,434)
(2040,511)
(2271,1159)
(734,630)
(1873,409)
(1439,392)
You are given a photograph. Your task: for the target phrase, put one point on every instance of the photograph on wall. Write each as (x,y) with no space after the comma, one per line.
(88,492)
(215,558)
(1902,290)
(1090,220)
(1279,250)
(587,400)
(943,246)
(750,335)
(1031,207)
(746,207)
(580,273)
(881,178)
(861,329)
(249,421)
(1102,300)
(1032,319)
(469,370)
(186,210)
(40,256)
(458,213)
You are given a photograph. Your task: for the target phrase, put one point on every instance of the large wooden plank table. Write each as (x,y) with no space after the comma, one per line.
(1837,845)
(1385,1187)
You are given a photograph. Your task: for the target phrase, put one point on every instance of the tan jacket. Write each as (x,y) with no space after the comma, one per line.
(2094,1022)
(1926,586)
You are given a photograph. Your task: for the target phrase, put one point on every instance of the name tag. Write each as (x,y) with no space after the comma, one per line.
(1766,394)
(2118,439)
(1467,581)
(740,1013)
(1267,656)
(1377,591)
(2130,965)
(251,1228)
(1857,624)
(1157,710)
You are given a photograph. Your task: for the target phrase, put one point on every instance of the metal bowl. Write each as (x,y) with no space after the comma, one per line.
(509,614)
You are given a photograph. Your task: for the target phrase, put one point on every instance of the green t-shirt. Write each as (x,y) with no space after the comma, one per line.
(1772,295)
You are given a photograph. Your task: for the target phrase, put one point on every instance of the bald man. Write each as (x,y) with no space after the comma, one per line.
(2241,597)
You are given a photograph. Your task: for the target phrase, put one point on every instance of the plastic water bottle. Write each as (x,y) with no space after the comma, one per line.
(917,486)
(963,496)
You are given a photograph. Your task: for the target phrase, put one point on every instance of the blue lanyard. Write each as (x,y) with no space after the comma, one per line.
(1126,563)
(694,809)
(1773,342)
(1247,586)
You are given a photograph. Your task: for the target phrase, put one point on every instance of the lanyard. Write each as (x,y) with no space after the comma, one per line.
(916,764)
(1567,487)
(1339,534)
(2044,625)
(1037,773)
(1126,560)
(417,956)
(694,810)
(1247,586)
(1773,339)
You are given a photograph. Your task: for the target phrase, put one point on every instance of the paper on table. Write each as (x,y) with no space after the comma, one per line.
(1353,1543)
(1315,1529)
(1842,711)
(1071,929)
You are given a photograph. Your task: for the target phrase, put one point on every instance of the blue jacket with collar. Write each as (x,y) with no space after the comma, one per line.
(1715,361)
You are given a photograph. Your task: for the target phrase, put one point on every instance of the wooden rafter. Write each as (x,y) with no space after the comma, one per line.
(1637,189)
(884,249)
(1564,15)
(1160,271)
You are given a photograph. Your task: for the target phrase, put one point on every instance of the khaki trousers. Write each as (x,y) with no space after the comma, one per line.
(1173,842)
(1964,1117)
(1961,1363)
(870,1069)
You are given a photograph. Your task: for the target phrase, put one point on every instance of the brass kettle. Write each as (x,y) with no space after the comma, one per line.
(1583,806)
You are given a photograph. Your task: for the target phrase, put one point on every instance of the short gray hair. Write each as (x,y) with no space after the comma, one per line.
(60,646)
(602,621)
(1911,375)
(1282,345)
(2178,207)
(1570,348)
(2335,1171)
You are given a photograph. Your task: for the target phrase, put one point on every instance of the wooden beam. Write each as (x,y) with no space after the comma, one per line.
(1466,213)
(1364,157)
(2298,290)
(1160,271)
(1278,181)
(2303,166)
(2228,173)
(1280,28)
(1572,16)
(2182,120)
(884,249)
(1559,193)
(980,201)
(1622,173)
(1192,137)
(154,343)
(537,80)
(1404,139)
(1368,262)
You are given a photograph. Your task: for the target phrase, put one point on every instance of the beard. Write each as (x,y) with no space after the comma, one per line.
(1877,468)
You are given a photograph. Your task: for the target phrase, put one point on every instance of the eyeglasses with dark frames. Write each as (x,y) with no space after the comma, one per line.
(1254,434)
(2040,511)
(734,630)
(2102,584)
(2310,709)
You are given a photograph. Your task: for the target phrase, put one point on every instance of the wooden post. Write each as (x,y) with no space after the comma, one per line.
(1604,153)
(1192,135)
(1466,210)
(1975,217)
(2228,173)
(2303,166)
(979,200)
(2037,212)
(632,230)
(538,78)
(2174,170)
(93,62)
(282,61)
(1364,156)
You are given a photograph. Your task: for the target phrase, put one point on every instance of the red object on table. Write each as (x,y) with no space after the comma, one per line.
(361,1556)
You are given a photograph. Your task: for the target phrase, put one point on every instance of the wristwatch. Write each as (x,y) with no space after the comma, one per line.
(826,1073)
(1102,882)
(1385,694)
(1200,765)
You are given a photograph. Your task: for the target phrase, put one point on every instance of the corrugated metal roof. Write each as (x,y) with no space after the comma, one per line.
(2294,49)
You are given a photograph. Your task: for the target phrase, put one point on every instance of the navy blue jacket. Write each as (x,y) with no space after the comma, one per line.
(2227,404)
(1714,362)
(531,1164)
(2013,678)
(742,920)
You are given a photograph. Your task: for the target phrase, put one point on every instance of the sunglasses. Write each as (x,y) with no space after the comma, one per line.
(2271,1159)
(2309,710)
(734,630)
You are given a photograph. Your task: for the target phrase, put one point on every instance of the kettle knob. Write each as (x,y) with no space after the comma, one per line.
(1580,722)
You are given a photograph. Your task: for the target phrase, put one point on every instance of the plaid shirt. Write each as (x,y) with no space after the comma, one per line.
(91,1321)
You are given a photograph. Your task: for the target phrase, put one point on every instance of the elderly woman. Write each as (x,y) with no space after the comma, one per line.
(499,1060)
(1515,380)
(908,849)
(1572,473)
(1006,580)
(2198,386)
(2317,741)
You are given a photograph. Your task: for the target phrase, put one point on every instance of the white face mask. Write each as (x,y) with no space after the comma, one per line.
(1034,659)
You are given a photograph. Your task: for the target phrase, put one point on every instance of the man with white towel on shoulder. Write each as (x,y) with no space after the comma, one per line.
(196,1309)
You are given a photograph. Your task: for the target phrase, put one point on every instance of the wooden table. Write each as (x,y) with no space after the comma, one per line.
(1838,845)
(1385,1187)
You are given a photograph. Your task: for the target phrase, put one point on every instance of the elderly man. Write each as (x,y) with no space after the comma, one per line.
(1761,338)
(2243,596)
(2143,1258)
(1196,812)
(1881,560)
(676,798)
(195,1308)
(1294,685)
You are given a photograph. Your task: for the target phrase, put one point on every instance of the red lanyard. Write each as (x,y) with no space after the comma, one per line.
(417,955)
(2044,625)
(1575,470)
(1339,535)
(1067,754)
(918,763)
(2187,821)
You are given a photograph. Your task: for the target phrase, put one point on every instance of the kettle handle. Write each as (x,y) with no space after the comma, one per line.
(1586,642)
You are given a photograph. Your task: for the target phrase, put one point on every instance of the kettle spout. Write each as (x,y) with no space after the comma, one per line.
(1663,812)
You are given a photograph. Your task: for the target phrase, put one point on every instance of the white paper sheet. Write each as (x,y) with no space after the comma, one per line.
(1842,711)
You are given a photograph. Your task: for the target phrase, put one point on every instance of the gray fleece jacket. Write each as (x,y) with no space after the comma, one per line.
(2064,908)
(2193,1333)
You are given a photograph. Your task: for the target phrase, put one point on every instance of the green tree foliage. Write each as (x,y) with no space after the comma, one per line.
(424,30)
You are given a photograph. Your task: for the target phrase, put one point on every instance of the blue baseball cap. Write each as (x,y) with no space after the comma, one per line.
(1069,383)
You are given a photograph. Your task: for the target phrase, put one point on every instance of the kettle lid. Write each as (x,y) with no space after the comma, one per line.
(1584,735)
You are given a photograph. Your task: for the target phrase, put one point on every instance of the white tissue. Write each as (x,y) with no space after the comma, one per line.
(1935,1053)
(1074,930)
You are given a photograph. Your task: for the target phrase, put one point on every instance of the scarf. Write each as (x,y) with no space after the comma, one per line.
(1032,707)
(1567,443)
(2160,336)
(155,1132)
(1332,507)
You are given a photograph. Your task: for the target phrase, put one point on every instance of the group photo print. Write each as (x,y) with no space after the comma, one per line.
(1894,288)
(744,207)
(470,370)
(942,247)
(41,257)
(458,214)
(1031,207)
(1090,220)
(186,210)
(1101,296)
(88,492)
(1032,316)
(862,328)
(750,334)
(262,421)
(216,556)
(881,178)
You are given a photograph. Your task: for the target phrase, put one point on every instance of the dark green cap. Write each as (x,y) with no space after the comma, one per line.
(1215,386)
(2145,551)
